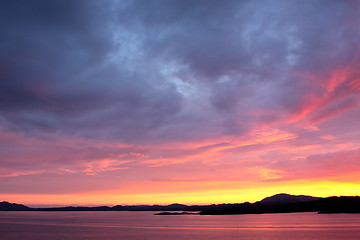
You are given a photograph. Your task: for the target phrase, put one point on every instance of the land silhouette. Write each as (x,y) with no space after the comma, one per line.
(279,203)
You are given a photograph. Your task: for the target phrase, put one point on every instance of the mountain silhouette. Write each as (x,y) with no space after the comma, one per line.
(285,203)
(6,206)
(284,198)
(279,203)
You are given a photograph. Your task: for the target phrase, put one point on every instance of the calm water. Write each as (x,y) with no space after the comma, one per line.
(146,226)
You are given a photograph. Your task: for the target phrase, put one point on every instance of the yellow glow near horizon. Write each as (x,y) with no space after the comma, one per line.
(216,196)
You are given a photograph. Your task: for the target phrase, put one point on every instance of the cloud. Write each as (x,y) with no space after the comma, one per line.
(58,76)
(327,165)
(334,109)
(129,70)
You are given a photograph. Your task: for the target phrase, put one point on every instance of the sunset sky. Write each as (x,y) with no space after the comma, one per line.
(187,101)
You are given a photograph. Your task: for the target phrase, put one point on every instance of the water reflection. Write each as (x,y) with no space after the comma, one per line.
(146,226)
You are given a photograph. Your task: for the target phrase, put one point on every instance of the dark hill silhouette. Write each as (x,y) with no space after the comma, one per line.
(279,203)
(290,204)
(6,206)
(339,205)
(284,198)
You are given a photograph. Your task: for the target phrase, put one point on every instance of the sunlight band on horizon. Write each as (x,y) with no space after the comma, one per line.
(210,196)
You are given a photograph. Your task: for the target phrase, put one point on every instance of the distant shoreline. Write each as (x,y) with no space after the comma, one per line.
(279,203)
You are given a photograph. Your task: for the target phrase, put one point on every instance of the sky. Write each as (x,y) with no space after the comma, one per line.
(187,101)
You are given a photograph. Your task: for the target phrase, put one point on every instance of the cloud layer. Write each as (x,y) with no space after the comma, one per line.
(134,90)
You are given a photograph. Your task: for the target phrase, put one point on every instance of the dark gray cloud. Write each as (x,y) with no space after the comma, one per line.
(165,70)
(57,75)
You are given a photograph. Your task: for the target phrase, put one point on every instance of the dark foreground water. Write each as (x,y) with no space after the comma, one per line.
(146,226)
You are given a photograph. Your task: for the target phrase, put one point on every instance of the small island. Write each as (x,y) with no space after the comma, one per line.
(176,213)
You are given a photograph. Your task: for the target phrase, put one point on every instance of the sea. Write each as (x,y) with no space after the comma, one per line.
(147,226)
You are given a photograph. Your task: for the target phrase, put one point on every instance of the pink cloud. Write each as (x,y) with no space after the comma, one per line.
(324,166)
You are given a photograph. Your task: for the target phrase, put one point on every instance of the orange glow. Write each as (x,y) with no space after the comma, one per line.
(235,193)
